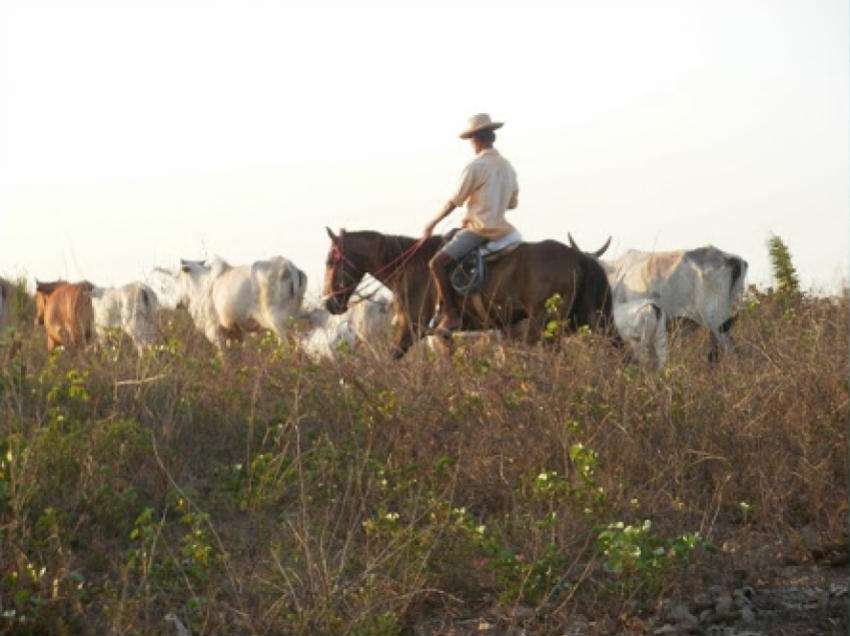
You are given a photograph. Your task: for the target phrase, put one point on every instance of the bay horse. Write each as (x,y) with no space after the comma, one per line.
(513,298)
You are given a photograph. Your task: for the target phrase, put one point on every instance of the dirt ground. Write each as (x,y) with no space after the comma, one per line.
(796,600)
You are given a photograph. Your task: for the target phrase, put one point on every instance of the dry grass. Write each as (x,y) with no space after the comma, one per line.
(262,493)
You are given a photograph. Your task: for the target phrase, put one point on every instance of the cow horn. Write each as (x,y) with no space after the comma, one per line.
(602,249)
(597,253)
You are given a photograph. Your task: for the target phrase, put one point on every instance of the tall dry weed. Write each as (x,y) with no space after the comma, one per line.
(259,492)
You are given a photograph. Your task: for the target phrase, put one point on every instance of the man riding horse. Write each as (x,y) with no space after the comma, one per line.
(488,187)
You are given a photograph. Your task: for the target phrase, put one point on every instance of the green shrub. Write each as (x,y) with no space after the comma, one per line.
(259,492)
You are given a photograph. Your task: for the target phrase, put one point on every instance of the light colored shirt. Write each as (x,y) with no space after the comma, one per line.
(488,186)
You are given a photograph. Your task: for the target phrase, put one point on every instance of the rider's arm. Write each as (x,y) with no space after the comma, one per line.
(468,180)
(443,213)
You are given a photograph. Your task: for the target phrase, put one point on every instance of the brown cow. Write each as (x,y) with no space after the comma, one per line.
(65,310)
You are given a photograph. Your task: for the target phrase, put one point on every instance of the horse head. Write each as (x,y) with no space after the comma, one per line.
(342,274)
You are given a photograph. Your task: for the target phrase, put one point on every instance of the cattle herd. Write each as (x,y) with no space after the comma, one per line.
(224,302)
(650,291)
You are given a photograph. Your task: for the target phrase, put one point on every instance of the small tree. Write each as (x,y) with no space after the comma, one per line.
(783,269)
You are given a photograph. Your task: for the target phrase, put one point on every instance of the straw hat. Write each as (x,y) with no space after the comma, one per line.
(479,122)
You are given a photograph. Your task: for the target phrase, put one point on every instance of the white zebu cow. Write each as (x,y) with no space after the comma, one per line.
(703,285)
(133,309)
(642,325)
(166,284)
(363,324)
(226,301)
(326,334)
(370,319)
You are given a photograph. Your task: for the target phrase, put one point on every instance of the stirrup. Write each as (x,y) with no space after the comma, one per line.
(432,324)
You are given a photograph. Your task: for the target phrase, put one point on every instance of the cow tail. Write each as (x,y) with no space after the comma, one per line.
(150,303)
(82,322)
(739,270)
(738,273)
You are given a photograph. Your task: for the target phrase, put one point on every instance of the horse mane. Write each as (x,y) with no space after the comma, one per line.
(388,247)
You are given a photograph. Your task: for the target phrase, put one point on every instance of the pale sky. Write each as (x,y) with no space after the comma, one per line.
(134,133)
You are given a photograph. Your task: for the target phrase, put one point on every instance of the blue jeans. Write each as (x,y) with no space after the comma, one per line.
(462,243)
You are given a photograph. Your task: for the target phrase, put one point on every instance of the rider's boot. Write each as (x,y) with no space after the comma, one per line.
(451,316)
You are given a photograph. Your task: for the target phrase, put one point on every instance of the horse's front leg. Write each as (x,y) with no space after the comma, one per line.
(404,337)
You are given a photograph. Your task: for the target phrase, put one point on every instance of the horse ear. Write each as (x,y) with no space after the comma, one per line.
(331,234)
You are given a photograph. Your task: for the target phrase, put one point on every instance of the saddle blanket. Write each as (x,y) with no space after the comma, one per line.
(491,247)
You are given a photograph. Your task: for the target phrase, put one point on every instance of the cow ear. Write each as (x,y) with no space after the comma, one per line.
(331,234)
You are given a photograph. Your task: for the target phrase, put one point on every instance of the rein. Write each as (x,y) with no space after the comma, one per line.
(396,263)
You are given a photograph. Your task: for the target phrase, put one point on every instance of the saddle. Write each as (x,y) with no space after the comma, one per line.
(468,275)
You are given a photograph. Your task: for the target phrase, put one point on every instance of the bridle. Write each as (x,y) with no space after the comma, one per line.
(339,261)
(338,264)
